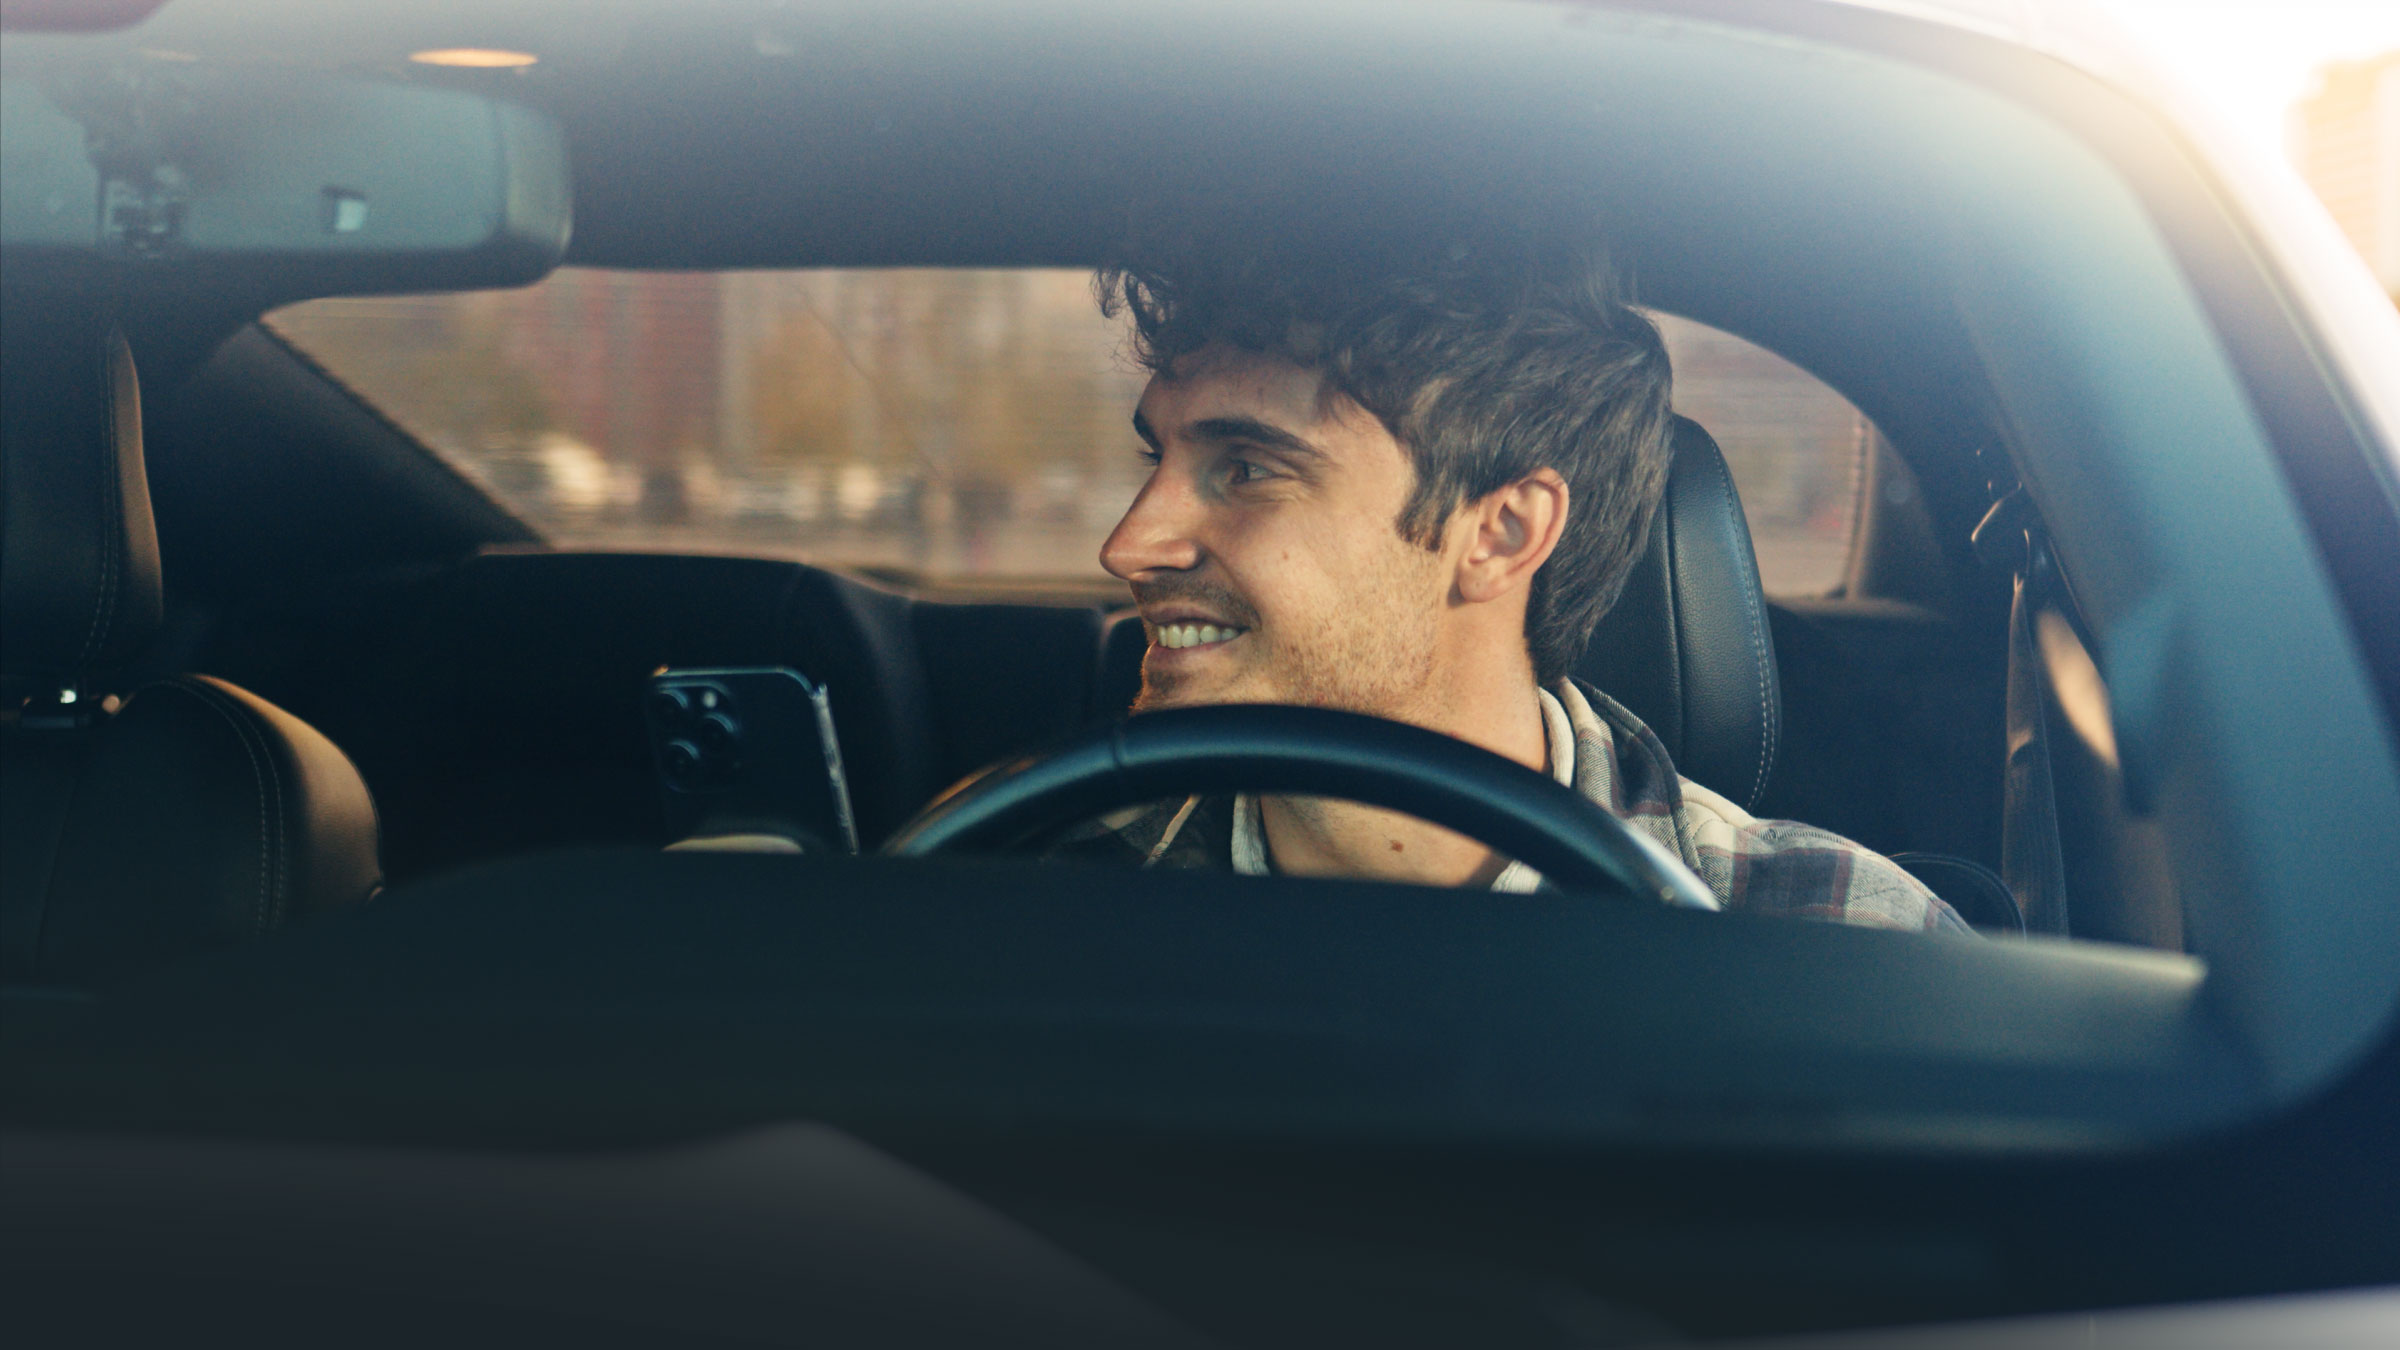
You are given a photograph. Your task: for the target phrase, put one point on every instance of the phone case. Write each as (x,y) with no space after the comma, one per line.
(749,750)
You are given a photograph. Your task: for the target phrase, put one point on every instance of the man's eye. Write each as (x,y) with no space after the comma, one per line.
(1149,455)
(1244,471)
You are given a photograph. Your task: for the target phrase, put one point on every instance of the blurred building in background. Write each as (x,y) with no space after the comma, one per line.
(936,423)
(2345,138)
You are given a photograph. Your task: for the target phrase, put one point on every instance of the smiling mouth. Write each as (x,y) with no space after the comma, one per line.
(1177,636)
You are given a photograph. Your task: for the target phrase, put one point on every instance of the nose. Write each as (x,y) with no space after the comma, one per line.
(1157,533)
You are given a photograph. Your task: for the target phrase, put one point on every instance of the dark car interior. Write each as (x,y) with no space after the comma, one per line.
(331,821)
(489,689)
(486,686)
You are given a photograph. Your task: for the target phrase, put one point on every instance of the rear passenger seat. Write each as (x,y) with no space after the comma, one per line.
(494,706)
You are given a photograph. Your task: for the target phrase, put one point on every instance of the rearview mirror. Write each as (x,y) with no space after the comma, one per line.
(288,182)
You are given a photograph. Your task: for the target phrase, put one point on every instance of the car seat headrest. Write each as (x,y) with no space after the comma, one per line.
(1686,647)
(199,816)
(79,579)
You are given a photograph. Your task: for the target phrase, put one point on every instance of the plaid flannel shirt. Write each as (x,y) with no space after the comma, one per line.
(1756,866)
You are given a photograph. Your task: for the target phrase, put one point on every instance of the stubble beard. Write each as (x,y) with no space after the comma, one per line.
(1377,659)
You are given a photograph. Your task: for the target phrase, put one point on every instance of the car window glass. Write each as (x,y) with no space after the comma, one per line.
(1795,447)
(956,423)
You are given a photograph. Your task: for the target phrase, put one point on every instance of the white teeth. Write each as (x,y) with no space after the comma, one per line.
(1176,636)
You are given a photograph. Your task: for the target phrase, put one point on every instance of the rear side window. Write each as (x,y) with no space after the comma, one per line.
(949,423)
(1797,451)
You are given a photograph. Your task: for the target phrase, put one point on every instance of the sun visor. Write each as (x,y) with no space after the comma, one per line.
(277,183)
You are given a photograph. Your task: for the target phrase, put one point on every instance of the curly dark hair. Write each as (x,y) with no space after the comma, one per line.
(1485,363)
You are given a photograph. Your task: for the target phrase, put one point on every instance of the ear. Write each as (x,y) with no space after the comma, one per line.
(1509,534)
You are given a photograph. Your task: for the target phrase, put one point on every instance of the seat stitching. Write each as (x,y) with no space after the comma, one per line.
(1687,649)
(280,890)
(266,870)
(242,733)
(1766,755)
(111,530)
(1758,655)
(279,827)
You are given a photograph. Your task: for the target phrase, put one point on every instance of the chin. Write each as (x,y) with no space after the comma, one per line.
(1183,691)
(1154,698)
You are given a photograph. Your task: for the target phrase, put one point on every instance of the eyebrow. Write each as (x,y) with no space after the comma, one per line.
(1251,429)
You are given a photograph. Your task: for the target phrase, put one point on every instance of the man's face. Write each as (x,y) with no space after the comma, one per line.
(1264,550)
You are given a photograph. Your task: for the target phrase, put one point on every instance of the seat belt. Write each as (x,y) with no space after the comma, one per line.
(2010,535)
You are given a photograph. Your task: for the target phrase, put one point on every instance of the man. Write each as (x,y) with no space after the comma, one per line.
(1411,489)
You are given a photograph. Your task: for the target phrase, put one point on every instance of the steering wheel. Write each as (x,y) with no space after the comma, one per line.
(1316,752)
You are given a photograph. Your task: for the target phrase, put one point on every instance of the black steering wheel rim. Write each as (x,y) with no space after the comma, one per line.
(1570,840)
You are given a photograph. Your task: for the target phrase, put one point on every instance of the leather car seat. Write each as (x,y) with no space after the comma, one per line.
(1685,648)
(185,814)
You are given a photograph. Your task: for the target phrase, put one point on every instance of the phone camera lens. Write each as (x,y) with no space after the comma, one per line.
(682,763)
(670,708)
(717,735)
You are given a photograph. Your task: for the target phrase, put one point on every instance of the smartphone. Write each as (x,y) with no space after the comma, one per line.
(749,750)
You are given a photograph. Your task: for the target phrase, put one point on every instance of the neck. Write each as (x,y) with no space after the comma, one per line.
(1316,836)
